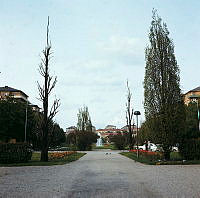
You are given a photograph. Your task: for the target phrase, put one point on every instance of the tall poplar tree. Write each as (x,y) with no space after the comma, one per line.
(164,109)
(84,120)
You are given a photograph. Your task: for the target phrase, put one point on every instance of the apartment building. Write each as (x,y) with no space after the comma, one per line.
(192,95)
(6,92)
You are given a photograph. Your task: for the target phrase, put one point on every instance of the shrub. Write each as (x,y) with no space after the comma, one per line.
(119,140)
(15,153)
(85,139)
(81,140)
(190,149)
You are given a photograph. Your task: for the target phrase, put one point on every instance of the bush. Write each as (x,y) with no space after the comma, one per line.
(190,149)
(119,140)
(85,139)
(15,153)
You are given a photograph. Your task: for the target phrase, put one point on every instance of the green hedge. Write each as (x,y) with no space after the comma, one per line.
(14,153)
(190,149)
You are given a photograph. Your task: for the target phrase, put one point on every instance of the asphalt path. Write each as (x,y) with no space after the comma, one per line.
(101,174)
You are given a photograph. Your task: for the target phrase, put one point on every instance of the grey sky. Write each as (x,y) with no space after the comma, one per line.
(98,45)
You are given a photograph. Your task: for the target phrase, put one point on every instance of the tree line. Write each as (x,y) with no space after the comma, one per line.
(12,124)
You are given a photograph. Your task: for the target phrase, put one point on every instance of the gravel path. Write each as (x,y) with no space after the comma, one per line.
(98,174)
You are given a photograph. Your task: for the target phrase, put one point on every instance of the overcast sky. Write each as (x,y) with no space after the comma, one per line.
(97,45)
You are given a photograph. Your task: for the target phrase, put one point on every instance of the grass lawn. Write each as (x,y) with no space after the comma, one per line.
(175,156)
(35,161)
(176,159)
(140,159)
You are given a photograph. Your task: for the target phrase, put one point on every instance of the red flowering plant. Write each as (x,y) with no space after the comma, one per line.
(60,155)
(150,155)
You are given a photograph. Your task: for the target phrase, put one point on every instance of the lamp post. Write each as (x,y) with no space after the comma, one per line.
(137,113)
(196,98)
(198,112)
(25,123)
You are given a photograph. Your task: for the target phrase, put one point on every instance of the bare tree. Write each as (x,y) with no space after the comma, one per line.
(129,117)
(44,93)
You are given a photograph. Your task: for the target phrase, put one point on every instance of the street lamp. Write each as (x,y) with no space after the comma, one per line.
(25,127)
(196,98)
(137,113)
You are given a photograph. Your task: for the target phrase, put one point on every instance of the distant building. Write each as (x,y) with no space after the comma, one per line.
(133,127)
(110,127)
(71,129)
(192,95)
(6,92)
(35,108)
(109,130)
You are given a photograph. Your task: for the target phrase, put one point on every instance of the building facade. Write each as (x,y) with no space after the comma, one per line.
(6,92)
(192,95)
(110,130)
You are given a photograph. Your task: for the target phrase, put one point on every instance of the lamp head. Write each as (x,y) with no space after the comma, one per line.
(137,113)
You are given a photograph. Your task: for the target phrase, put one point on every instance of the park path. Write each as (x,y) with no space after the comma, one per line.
(101,174)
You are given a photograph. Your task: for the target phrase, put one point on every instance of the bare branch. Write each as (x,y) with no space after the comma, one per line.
(41,91)
(48,32)
(54,109)
(41,70)
(52,85)
(129,116)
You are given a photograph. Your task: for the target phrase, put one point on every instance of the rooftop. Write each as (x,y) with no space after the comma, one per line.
(109,130)
(193,90)
(196,89)
(10,89)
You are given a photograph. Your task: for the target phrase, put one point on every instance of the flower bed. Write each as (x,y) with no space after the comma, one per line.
(150,155)
(60,155)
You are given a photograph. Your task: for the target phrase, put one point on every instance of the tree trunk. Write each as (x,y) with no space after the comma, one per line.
(130,139)
(167,152)
(146,146)
(167,155)
(44,154)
